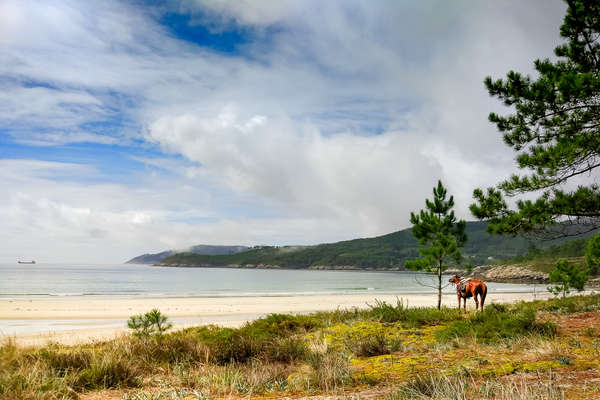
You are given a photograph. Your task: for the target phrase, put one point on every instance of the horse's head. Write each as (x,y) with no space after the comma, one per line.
(455,279)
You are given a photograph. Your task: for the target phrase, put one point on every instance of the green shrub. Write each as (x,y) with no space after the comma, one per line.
(368,346)
(229,345)
(274,338)
(281,325)
(285,349)
(497,307)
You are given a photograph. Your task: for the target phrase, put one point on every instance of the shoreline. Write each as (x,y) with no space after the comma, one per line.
(126,296)
(279,267)
(38,321)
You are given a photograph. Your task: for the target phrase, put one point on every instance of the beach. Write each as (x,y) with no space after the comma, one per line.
(76,319)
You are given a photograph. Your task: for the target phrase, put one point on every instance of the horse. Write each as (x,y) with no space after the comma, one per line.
(466,288)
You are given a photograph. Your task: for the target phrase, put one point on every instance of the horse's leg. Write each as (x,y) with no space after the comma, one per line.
(465,303)
(458,297)
(476,301)
(483,294)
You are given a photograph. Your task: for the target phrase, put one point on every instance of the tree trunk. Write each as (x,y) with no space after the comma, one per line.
(440,286)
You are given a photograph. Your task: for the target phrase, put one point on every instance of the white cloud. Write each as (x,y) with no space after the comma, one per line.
(244,12)
(334,124)
(81,220)
(342,175)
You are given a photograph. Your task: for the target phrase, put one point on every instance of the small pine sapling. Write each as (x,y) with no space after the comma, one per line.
(567,276)
(151,323)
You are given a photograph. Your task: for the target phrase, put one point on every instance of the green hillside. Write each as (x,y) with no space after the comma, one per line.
(387,251)
(545,259)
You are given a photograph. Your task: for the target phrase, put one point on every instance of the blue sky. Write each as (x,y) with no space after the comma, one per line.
(136,126)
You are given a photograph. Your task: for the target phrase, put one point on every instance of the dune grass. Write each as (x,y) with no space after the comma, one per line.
(383,344)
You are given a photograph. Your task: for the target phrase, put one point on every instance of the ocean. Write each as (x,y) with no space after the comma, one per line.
(19,281)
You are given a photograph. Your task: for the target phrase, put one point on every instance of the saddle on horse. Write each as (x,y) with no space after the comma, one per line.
(462,285)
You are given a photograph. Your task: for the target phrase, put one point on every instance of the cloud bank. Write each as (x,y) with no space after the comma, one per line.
(327,120)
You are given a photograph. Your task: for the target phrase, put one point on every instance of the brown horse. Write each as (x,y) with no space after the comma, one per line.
(466,288)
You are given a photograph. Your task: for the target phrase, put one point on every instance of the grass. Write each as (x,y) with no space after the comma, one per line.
(443,387)
(496,323)
(418,352)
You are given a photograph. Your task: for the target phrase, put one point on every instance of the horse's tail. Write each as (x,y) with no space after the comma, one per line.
(483,294)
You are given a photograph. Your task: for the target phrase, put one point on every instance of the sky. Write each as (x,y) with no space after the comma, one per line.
(130,127)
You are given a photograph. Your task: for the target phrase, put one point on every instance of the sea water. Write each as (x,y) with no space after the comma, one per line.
(21,281)
(39,281)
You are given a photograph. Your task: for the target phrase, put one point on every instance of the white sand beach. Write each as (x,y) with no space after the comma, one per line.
(81,319)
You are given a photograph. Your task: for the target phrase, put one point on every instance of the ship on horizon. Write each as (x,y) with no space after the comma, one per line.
(25,262)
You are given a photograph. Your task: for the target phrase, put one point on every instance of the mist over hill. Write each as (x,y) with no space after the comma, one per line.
(202,249)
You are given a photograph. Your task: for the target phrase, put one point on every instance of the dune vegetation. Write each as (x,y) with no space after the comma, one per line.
(543,349)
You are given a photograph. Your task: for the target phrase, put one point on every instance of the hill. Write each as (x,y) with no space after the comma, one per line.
(382,252)
(199,249)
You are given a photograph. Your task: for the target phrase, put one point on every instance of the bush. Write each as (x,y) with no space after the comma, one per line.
(369,346)
(151,323)
(228,345)
(275,325)
(286,349)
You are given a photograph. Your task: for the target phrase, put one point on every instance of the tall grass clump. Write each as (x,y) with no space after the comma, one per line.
(426,387)
(106,371)
(461,387)
(56,372)
(329,370)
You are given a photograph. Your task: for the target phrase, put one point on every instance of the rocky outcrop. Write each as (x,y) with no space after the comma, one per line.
(593,283)
(352,268)
(245,266)
(509,274)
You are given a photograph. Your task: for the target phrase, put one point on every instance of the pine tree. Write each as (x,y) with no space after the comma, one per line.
(437,229)
(151,323)
(555,131)
(568,277)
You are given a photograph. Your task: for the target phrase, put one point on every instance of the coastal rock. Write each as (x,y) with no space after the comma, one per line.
(509,274)
(593,283)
